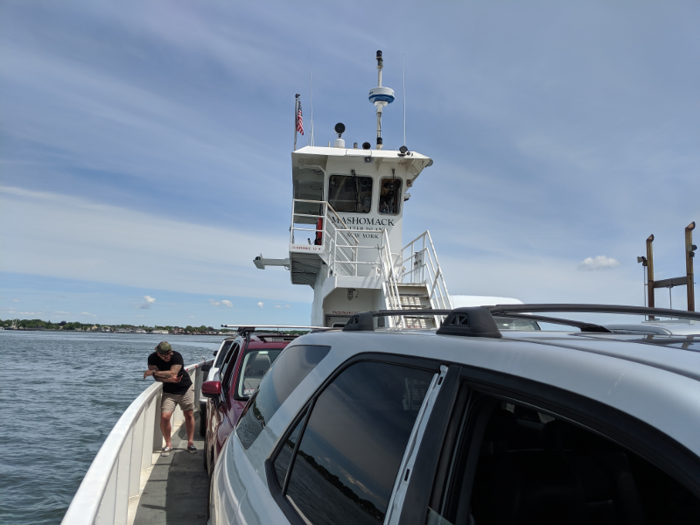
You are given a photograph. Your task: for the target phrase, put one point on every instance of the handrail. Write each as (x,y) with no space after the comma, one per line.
(391,288)
(423,260)
(115,475)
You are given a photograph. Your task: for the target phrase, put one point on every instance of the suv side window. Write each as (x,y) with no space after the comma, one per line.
(228,366)
(223,353)
(288,370)
(513,463)
(339,464)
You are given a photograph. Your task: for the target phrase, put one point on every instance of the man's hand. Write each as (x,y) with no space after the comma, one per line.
(148,373)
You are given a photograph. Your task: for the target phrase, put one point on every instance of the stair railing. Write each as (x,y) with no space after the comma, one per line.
(390,282)
(420,256)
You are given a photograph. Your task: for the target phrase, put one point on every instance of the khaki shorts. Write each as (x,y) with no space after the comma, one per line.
(186,400)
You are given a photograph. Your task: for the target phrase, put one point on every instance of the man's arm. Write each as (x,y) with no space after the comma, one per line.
(164,376)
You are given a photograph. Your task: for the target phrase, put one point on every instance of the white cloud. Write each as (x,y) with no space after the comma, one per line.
(261,304)
(600,262)
(223,302)
(148,302)
(108,244)
(88,313)
(286,306)
(278,306)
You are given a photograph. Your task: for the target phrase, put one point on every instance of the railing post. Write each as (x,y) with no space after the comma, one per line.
(136,463)
(157,433)
(151,421)
(121,504)
(107,506)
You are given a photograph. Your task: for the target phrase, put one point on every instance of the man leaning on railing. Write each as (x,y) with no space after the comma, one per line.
(167,367)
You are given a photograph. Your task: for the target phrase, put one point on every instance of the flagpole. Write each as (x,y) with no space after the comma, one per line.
(296,117)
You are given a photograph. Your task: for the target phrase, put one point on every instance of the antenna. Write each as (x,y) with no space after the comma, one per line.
(311,89)
(403,87)
(380,97)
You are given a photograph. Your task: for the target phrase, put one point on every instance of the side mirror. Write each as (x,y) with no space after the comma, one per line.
(211,389)
(216,352)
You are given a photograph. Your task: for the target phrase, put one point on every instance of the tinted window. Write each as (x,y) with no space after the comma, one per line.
(255,365)
(290,369)
(350,193)
(284,456)
(227,366)
(534,467)
(352,446)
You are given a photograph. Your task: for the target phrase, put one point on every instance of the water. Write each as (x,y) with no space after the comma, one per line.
(60,396)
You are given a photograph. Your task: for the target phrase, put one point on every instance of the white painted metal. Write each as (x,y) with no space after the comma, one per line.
(116,477)
(420,265)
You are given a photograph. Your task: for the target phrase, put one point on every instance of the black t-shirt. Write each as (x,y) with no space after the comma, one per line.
(176,359)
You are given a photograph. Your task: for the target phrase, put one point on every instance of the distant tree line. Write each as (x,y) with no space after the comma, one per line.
(38,324)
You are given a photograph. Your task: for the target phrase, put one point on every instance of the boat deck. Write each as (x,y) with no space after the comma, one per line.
(177,489)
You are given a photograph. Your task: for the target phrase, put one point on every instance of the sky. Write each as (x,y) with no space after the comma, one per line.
(145,147)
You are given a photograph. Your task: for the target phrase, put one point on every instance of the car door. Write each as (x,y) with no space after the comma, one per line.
(503,450)
(341,458)
(218,408)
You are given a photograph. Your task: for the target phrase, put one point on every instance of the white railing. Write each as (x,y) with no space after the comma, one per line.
(111,487)
(420,265)
(335,239)
(390,284)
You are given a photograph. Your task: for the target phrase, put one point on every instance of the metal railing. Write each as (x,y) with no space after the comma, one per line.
(420,256)
(112,485)
(334,239)
(390,284)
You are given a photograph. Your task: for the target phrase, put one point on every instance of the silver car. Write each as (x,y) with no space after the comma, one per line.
(469,425)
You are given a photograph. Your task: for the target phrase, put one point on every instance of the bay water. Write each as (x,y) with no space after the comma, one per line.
(60,395)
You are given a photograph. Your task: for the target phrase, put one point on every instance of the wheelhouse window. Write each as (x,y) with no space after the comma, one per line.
(390,196)
(350,193)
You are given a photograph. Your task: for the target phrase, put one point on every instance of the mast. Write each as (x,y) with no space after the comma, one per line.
(380,97)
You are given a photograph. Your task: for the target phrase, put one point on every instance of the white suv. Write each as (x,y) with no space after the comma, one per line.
(469,425)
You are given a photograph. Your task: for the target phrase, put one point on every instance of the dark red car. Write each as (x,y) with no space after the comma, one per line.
(241,370)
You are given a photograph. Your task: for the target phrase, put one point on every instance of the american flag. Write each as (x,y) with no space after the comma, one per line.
(300,120)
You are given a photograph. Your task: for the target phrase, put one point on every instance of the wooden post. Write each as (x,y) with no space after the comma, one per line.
(650,271)
(689,253)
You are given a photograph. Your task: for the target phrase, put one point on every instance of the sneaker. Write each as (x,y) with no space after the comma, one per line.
(165,452)
(191,449)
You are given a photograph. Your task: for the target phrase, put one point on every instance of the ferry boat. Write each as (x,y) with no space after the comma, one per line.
(346,243)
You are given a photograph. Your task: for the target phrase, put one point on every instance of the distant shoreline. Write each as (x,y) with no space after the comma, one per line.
(3,329)
(38,325)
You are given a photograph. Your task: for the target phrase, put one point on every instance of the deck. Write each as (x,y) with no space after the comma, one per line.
(177,489)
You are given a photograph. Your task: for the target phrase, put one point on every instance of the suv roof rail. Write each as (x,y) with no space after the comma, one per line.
(364,321)
(508,309)
(472,321)
(478,321)
(247,329)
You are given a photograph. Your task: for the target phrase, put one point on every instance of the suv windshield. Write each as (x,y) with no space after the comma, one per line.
(255,364)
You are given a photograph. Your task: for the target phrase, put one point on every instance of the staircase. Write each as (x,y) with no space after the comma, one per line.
(416,297)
